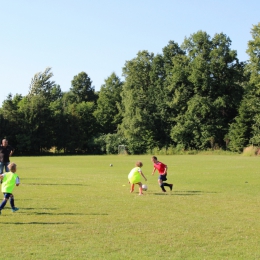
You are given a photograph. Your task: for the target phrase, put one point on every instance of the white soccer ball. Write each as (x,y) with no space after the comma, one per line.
(144,187)
(111,165)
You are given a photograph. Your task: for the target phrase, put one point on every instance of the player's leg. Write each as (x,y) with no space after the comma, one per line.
(168,185)
(132,187)
(161,184)
(12,203)
(140,188)
(6,197)
(164,178)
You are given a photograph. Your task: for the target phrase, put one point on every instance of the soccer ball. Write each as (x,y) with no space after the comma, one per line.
(111,165)
(144,187)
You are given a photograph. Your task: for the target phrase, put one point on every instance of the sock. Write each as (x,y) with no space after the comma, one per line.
(166,184)
(12,202)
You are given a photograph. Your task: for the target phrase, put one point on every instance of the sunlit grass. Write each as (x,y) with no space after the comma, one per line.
(77,207)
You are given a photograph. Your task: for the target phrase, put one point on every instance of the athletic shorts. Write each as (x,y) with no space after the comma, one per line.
(163,177)
(7,195)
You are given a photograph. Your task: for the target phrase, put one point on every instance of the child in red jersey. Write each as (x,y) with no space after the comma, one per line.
(162,169)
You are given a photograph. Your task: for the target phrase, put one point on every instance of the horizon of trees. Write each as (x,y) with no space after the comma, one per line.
(194,96)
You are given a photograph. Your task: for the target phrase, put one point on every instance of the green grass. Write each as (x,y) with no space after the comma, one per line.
(77,207)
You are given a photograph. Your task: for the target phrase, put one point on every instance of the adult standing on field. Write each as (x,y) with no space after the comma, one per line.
(162,169)
(5,152)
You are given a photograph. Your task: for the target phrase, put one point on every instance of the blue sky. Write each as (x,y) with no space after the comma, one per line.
(99,36)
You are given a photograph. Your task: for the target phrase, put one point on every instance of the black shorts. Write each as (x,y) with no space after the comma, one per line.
(7,195)
(163,177)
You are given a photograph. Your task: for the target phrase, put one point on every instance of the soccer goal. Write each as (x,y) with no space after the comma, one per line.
(122,149)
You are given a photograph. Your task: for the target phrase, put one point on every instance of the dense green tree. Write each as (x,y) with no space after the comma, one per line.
(41,84)
(146,112)
(80,127)
(245,129)
(37,131)
(211,89)
(138,124)
(11,118)
(59,123)
(82,89)
(108,113)
(161,75)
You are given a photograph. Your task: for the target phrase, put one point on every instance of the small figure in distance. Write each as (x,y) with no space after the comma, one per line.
(162,169)
(9,181)
(134,177)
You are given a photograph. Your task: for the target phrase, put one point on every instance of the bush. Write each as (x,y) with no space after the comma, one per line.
(251,151)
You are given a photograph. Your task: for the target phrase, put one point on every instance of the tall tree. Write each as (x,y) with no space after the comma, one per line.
(81,127)
(159,93)
(41,84)
(35,108)
(138,124)
(214,91)
(245,129)
(82,89)
(108,113)
(11,119)
(37,129)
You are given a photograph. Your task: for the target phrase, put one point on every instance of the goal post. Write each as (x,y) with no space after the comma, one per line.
(122,149)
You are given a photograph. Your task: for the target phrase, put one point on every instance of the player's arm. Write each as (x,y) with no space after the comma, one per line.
(17,181)
(154,169)
(143,175)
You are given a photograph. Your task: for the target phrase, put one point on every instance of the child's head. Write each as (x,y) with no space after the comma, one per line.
(154,159)
(12,167)
(139,164)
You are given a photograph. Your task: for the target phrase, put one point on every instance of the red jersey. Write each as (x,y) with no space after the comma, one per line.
(160,167)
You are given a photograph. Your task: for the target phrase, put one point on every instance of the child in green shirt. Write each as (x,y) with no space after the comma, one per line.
(134,177)
(9,181)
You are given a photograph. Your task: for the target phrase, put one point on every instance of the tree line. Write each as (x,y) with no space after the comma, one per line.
(194,96)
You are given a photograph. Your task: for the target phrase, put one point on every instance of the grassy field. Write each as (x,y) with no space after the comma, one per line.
(77,207)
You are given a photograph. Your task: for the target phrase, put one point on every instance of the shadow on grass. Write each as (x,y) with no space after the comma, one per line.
(39,223)
(184,193)
(68,214)
(41,208)
(59,213)
(55,184)
(162,194)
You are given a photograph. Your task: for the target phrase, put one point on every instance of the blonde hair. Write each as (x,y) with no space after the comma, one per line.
(139,164)
(12,166)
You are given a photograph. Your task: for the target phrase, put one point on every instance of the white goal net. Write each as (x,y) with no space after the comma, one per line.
(122,149)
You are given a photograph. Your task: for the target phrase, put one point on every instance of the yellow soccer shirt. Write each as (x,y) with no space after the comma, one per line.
(135,176)
(9,181)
